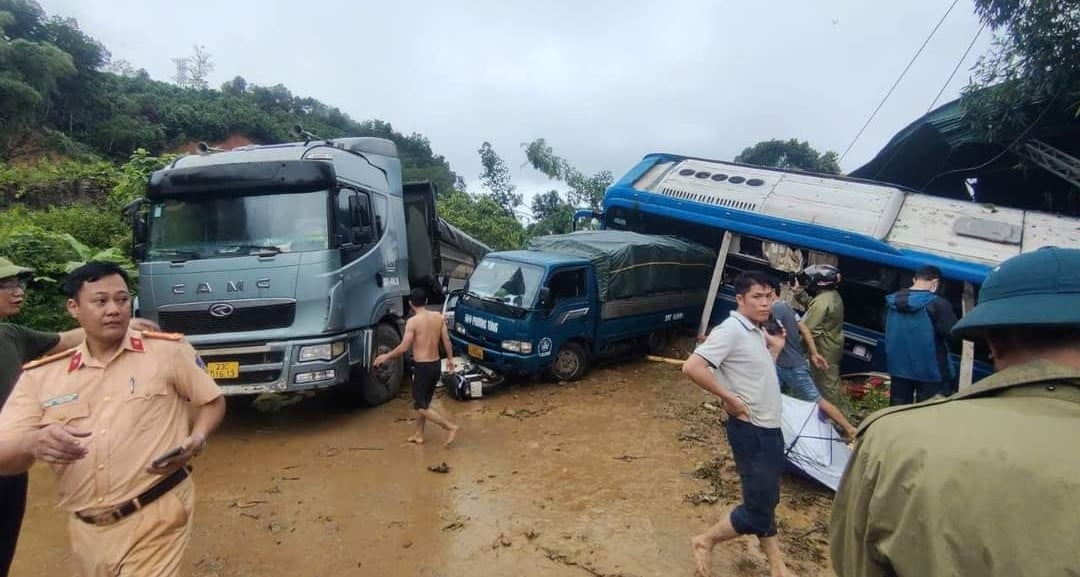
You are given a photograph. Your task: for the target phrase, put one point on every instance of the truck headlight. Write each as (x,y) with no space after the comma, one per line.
(523,347)
(323,352)
(459,328)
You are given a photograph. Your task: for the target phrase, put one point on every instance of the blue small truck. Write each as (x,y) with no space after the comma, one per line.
(574,298)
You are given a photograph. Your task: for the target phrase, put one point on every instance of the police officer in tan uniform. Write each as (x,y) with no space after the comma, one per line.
(987,481)
(101,415)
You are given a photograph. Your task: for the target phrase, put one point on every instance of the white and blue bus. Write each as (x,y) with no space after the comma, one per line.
(877,234)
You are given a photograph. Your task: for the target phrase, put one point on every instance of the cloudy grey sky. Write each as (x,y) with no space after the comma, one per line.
(603,81)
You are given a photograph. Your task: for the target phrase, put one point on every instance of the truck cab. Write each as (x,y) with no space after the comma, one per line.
(287,266)
(527,313)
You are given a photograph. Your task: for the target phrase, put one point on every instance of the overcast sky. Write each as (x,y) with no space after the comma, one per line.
(603,81)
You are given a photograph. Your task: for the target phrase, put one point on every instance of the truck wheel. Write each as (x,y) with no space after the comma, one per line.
(378,385)
(571,362)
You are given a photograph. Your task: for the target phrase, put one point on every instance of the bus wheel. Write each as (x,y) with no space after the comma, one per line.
(379,385)
(571,362)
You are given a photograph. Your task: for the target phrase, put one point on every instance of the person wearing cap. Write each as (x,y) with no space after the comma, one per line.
(984,482)
(103,415)
(824,318)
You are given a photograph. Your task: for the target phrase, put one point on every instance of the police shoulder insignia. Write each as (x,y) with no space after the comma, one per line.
(48,359)
(163,336)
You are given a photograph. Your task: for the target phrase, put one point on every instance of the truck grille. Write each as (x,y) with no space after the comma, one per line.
(201,322)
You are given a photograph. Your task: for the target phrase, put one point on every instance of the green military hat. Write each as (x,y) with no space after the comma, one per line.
(1039,288)
(10,269)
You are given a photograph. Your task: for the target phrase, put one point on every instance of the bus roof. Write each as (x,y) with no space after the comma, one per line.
(846,216)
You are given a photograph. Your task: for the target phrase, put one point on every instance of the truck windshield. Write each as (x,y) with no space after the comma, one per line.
(235,226)
(507,282)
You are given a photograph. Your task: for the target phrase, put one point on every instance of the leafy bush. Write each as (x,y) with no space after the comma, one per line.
(49,182)
(483,219)
(133,177)
(91,225)
(48,254)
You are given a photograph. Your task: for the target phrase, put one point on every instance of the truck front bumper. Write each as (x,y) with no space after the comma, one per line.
(274,367)
(498,360)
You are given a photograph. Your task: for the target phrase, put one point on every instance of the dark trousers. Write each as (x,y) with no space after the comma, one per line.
(759,460)
(12,507)
(907,391)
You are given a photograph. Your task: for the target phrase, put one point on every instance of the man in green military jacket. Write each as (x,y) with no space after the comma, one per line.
(825,319)
(986,482)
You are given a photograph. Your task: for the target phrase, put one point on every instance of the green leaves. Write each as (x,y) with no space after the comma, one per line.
(1034,62)
(495,177)
(584,190)
(790,154)
(482,218)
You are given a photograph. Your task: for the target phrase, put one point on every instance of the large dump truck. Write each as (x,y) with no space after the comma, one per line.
(287,265)
(576,297)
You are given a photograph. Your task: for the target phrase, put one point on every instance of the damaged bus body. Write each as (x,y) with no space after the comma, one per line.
(877,234)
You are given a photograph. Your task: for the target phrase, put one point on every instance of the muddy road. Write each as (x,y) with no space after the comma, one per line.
(609,476)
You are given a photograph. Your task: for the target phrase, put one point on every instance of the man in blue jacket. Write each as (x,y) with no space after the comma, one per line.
(917,327)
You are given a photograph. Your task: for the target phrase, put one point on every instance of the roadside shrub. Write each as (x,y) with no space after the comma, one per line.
(48,254)
(49,182)
(91,225)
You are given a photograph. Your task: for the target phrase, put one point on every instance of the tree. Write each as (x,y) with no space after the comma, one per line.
(790,154)
(584,190)
(482,218)
(235,86)
(551,214)
(495,177)
(1032,68)
(29,72)
(191,71)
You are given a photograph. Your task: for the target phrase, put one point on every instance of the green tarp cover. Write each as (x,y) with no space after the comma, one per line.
(457,238)
(629,264)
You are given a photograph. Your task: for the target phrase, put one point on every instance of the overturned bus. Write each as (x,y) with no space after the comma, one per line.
(876,234)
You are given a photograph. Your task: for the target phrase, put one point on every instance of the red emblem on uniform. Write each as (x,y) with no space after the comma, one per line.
(136,344)
(76,362)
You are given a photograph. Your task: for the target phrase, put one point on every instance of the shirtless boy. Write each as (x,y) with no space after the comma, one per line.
(423,333)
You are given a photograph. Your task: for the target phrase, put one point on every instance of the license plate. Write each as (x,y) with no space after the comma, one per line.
(229,370)
(476,352)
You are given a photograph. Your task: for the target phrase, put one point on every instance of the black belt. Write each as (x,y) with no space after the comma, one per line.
(148,496)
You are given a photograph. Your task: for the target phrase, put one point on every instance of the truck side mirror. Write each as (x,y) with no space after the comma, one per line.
(545,297)
(139,227)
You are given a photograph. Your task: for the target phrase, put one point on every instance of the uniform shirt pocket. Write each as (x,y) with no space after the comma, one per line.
(147,404)
(64,414)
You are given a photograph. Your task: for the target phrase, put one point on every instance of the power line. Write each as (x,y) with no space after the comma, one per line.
(901,77)
(954,70)
(995,158)
(948,81)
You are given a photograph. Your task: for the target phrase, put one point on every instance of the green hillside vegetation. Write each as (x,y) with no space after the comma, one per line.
(80,133)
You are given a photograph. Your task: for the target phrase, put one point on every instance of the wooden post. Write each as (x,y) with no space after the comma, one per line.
(714,285)
(967,357)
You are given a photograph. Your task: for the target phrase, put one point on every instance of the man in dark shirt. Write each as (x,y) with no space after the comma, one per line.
(19,345)
(917,328)
(791,365)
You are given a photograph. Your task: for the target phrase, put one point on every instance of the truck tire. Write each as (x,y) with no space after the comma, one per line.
(377,386)
(570,362)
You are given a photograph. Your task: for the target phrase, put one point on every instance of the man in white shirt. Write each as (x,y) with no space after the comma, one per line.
(736,363)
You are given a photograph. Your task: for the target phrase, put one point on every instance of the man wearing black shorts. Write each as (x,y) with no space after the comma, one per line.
(423,333)
(736,364)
